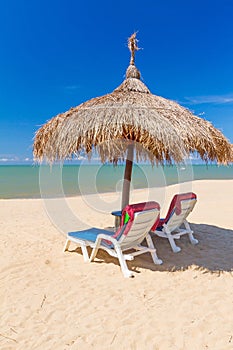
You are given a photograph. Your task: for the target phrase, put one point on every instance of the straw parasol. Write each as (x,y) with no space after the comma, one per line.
(166,131)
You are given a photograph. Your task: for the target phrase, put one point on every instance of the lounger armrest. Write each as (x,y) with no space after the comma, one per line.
(97,245)
(106,238)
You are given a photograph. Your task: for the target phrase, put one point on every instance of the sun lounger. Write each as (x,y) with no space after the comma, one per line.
(180,207)
(136,221)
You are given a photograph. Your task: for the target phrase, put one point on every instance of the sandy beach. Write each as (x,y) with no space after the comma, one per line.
(53,300)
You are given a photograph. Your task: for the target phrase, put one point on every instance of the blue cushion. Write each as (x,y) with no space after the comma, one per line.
(89,234)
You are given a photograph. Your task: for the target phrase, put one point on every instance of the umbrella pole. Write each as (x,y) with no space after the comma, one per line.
(127,177)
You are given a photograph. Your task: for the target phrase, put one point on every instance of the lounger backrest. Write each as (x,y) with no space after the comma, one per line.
(180,208)
(131,209)
(141,225)
(129,214)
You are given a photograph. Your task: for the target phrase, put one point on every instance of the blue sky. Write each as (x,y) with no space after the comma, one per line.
(57,54)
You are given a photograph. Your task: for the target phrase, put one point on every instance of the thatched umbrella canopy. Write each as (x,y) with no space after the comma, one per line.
(166,131)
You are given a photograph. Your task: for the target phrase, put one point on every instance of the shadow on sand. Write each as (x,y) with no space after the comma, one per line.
(213,254)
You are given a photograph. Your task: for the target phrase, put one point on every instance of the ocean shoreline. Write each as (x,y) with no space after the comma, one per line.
(29,182)
(79,195)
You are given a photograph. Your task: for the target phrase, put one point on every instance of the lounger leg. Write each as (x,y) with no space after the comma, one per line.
(83,247)
(190,233)
(85,253)
(95,250)
(124,267)
(174,247)
(67,244)
(120,256)
(154,256)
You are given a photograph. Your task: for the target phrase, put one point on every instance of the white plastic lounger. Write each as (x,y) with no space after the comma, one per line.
(134,228)
(180,207)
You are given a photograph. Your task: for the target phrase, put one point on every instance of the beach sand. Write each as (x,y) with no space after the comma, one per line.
(53,300)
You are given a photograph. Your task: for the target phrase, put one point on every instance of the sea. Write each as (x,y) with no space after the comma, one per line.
(34,181)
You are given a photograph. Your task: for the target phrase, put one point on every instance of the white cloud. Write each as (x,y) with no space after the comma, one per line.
(4,158)
(211,99)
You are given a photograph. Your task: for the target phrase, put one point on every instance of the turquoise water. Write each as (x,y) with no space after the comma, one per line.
(25,181)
